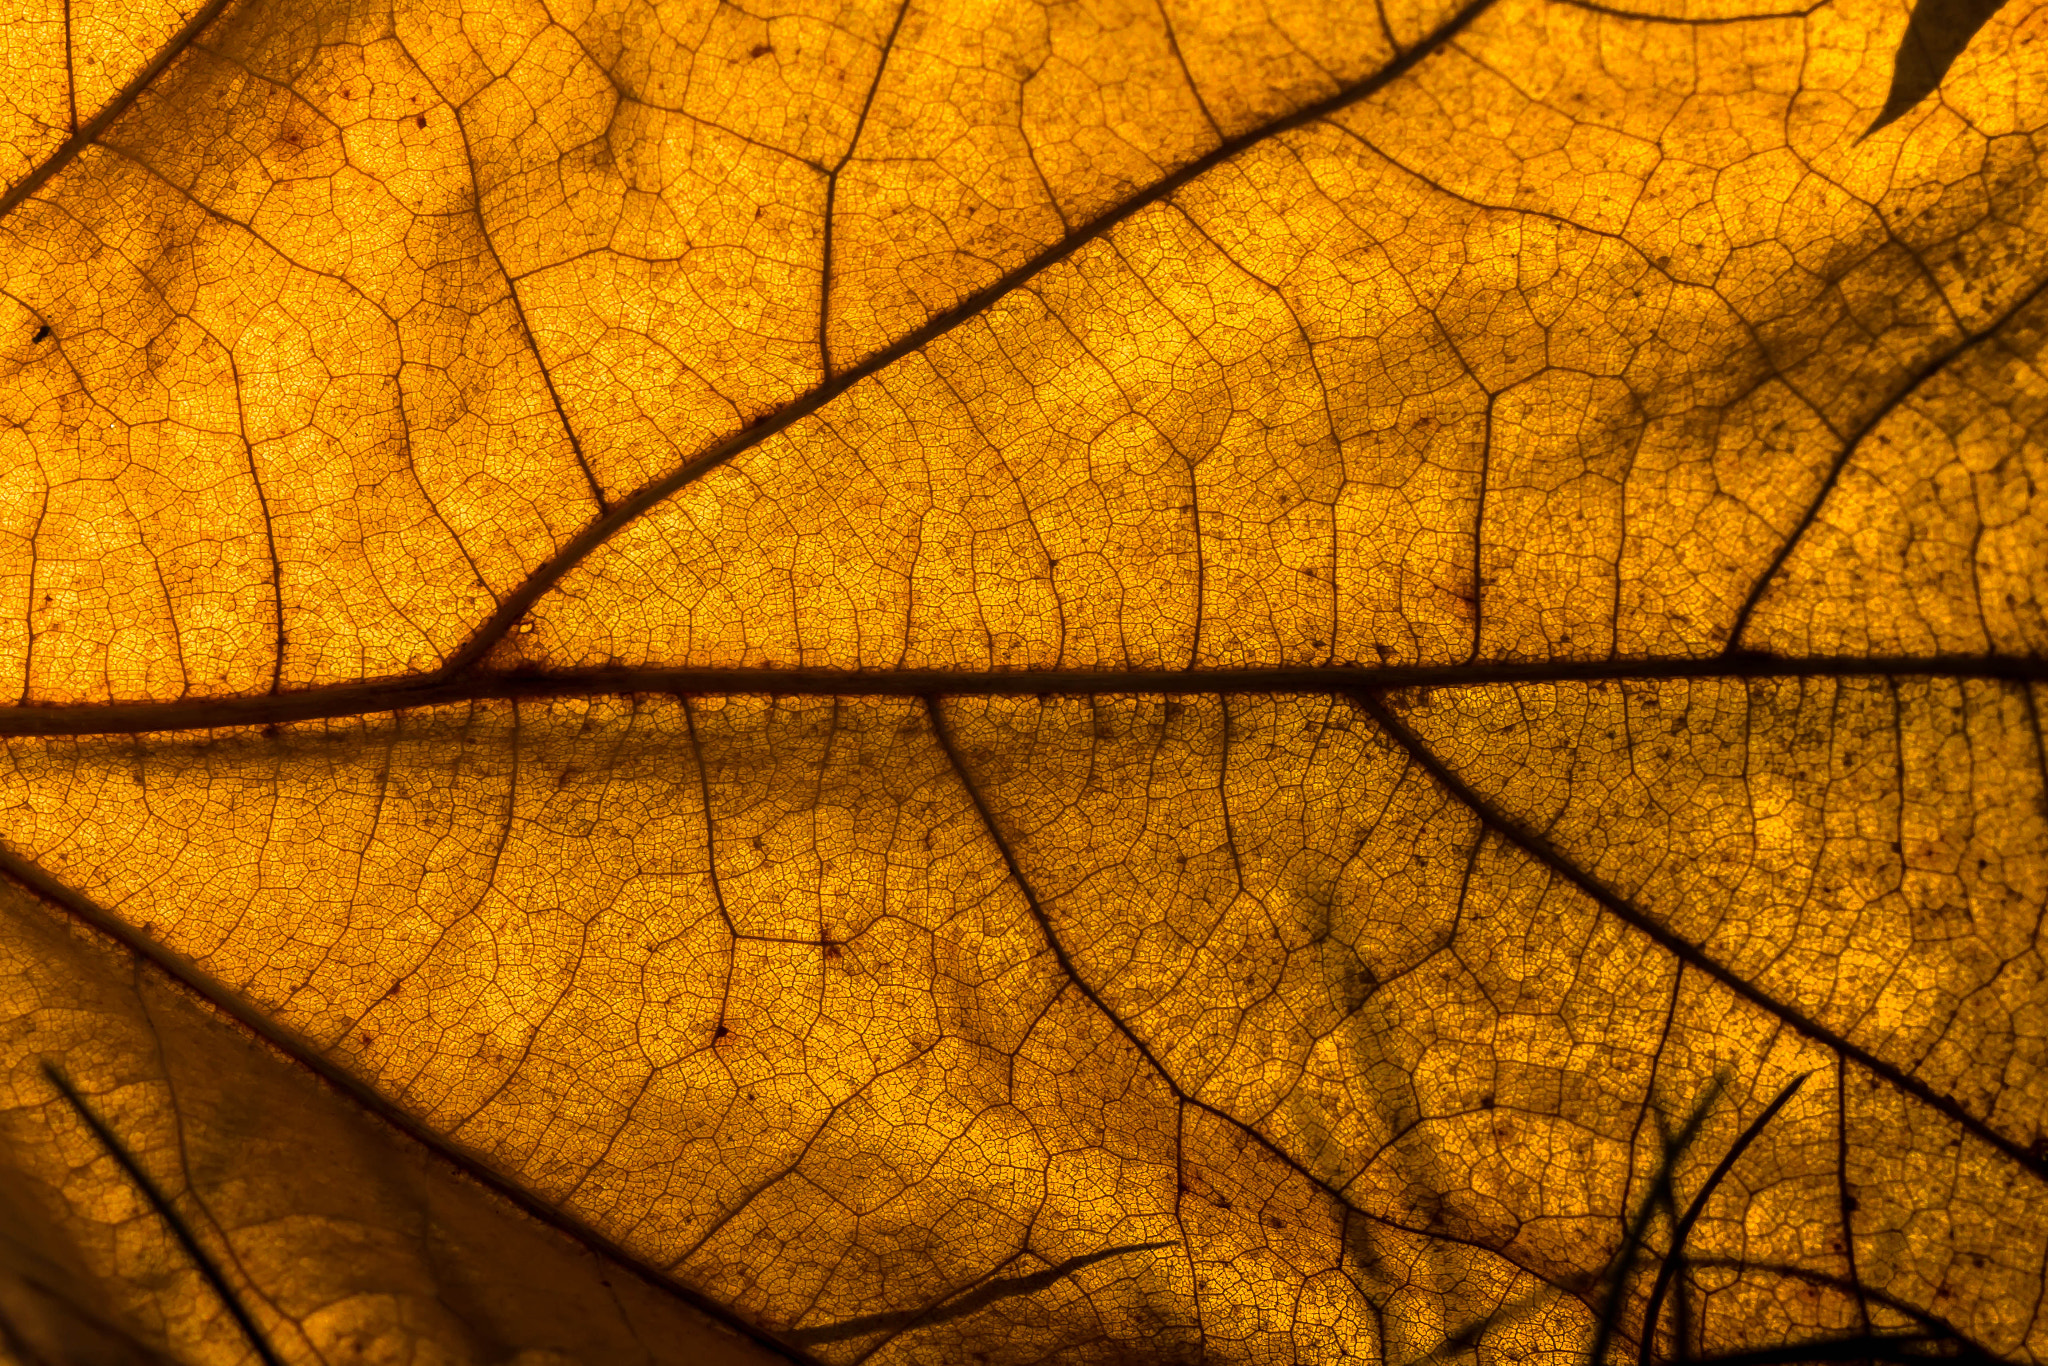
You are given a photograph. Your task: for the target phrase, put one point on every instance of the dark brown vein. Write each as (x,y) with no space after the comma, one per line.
(1936,1325)
(1674,1261)
(1539,849)
(1188,77)
(1070,971)
(1845,1200)
(117,106)
(1929,369)
(166,1211)
(832,195)
(70,71)
(381,698)
(1071,974)
(521,600)
(1639,17)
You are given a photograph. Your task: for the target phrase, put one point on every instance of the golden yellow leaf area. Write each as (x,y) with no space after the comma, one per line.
(1115,682)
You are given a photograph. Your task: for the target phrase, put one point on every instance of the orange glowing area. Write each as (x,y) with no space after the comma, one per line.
(983,684)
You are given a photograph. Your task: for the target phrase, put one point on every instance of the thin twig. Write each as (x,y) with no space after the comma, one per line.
(1624,1259)
(1655,1309)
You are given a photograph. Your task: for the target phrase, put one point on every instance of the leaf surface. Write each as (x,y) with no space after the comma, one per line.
(1115,682)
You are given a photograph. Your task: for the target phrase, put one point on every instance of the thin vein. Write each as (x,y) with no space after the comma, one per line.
(277,649)
(70,71)
(832,195)
(1071,971)
(1614,12)
(1845,1198)
(968,1301)
(1188,77)
(1674,1261)
(1183,1099)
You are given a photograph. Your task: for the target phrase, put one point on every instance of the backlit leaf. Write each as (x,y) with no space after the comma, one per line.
(1113,682)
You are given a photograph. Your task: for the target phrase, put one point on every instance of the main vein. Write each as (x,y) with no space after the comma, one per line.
(395,695)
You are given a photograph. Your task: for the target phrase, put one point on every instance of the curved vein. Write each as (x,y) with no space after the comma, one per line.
(1184,1100)
(1540,849)
(1929,369)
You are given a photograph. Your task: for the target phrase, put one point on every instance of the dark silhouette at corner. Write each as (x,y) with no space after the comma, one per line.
(1935,36)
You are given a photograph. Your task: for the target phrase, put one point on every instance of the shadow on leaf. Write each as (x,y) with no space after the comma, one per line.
(1935,1341)
(963,1304)
(161,1204)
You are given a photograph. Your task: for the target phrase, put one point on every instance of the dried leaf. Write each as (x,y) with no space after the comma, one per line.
(1119,682)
